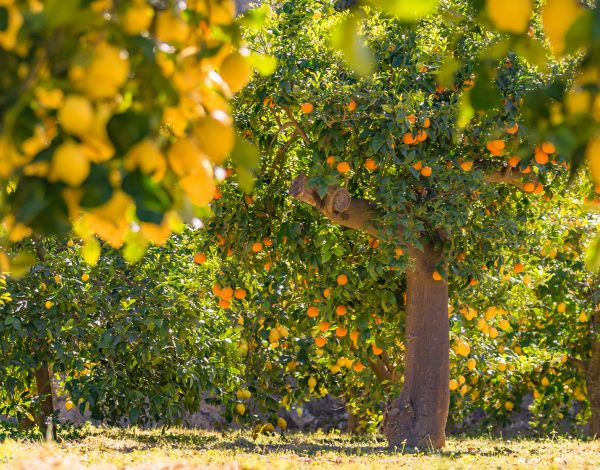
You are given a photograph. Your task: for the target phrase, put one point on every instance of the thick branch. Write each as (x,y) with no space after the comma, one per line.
(337,205)
(382,373)
(508,177)
(281,153)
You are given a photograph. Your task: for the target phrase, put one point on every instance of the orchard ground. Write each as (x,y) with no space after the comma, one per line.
(183,449)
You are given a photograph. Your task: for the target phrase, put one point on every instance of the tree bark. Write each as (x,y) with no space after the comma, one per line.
(44,391)
(418,418)
(593,378)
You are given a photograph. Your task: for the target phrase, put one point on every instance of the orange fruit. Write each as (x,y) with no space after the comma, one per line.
(324,326)
(354,336)
(411,118)
(216,289)
(426,123)
(330,160)
(528,187)
(514,161)
(513,129)
(376,350)
(268,265)
(541,157)
(417,166)
(226,293)
(436,276)
(548,147)
(495,145)
(220,240)
(312,312)
(320,341)
(426,171)
(240,294)
(199,258)
(370,164)
(467,165)
(343,167)
(342,280)
(256,247)
(248,199)
(307,108)
(398,252)
(373,242)
(326,292)
(421,135)
(473,281)
(224,303)
(539,189)
(408,139)
(341,310)
(340,331)
(518,268)
(469,83)
(526,170)
(351,105)
(267,241)
(358,366)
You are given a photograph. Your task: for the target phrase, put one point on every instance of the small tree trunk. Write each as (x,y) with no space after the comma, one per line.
(593,379)
(418,417)
(44,391)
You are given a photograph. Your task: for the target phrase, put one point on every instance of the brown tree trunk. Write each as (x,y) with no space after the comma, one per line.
(44,391)
(418,417)
(593,379)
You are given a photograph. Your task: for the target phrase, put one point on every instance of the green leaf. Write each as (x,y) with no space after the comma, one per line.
(61,12)
(593,255)
(245,155)
(3,18)
(21,263)
(127,129)
(90,251)
(265,64)
(465,110)
(345,38)
(407,10)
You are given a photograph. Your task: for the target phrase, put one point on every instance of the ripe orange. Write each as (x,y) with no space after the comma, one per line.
(514,129)
(220,240)
(426,171)
(370,164)
(312,312)
(411,118)
(417,166)
(358,366)
(374,242)
(514,161)
(436,276)
(248,199)
(199,258)
(398,252)
(528,187)
(467,165)
(473,281)
(268,265)
(526,170)
(541,157)
(216,289)
(326,292)
(343,167)
(256,247)
(340,331)
(351,105)
(518,268)
(320,341)
(354,336)
(341,310)
(226,293)
(421,135)
(330,160)
(267,241)
(224,303)
(548,147)
(426,123)
(342,280)
(324,326)
(495,146)
(376,350)
(217,195)
(307,108)
(240,294)
(408,139)
(539,189)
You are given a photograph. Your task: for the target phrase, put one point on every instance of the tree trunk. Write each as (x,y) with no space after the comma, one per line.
(44,391)
(418,417)
(593,379)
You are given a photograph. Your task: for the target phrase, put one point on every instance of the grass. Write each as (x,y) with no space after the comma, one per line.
(188,449)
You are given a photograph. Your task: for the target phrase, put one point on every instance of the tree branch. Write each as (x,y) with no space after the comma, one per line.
(578,363)
(296,124)
(382,373)
(337,205)
(279,157)
(508,177)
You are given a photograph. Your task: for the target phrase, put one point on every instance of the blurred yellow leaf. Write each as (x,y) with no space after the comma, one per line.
(345,38)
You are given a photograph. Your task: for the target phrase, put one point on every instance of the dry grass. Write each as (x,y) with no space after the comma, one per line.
(184,449)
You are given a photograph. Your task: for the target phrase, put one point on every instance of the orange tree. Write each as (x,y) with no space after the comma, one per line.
(114,113)
(405,193)
(119,340)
